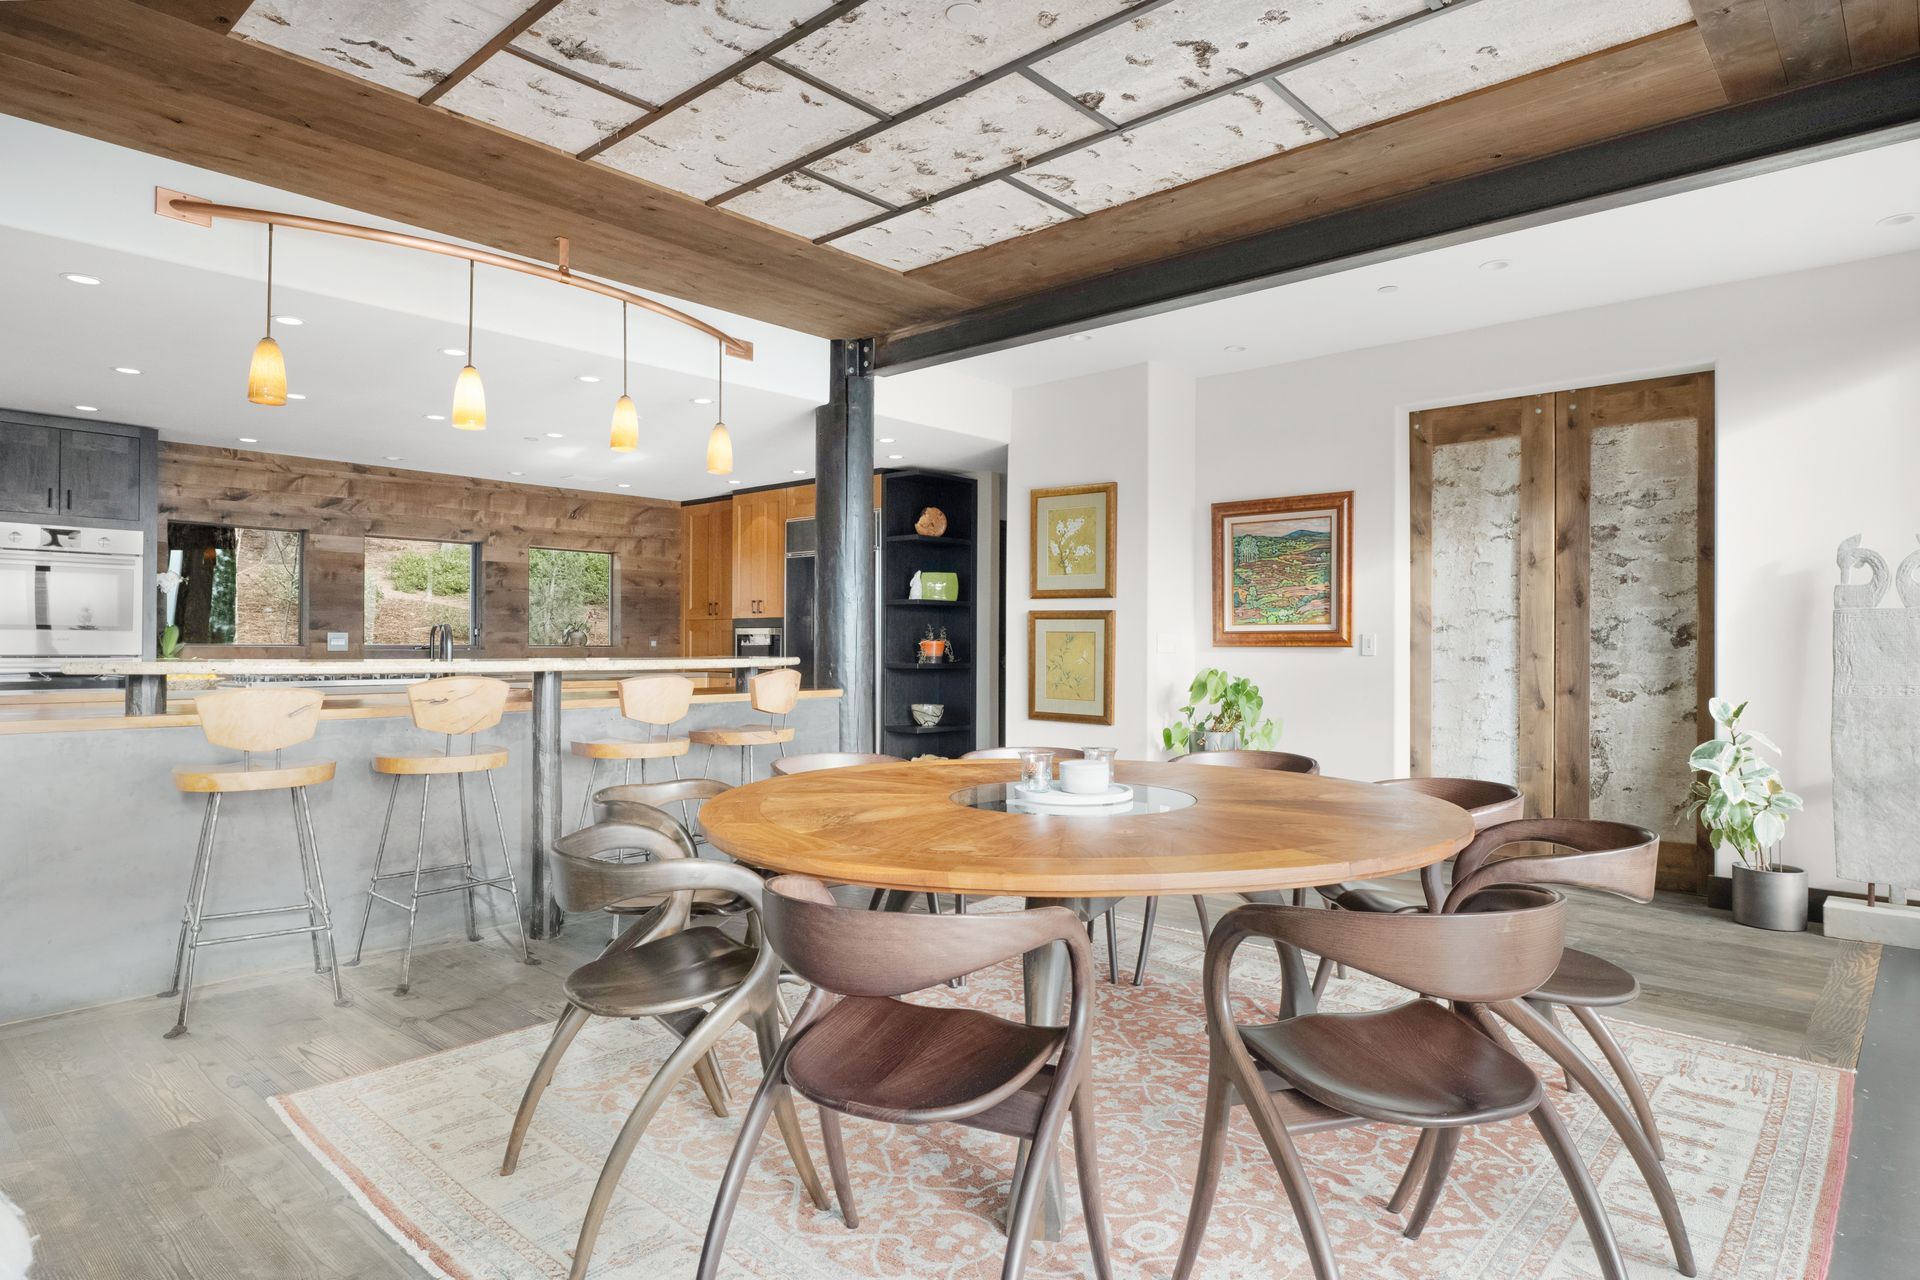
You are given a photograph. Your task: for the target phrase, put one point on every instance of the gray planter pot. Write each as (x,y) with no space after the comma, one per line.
(1228,741)
(1774,900)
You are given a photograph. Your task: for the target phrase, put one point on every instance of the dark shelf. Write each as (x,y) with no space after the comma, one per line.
(930,604)
(942,541)
(929,666)
(942,727)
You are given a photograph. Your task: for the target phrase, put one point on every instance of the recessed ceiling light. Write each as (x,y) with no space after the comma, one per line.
(435,417)
(86,408)
(799,471)
(121,368)
(1495,264)
(531,439)
(1082,337)
(964,14)
(1891,220)
(295,321)
(452,351)
(623,485)
(1236,349)
(733,482)
(74,277)
(587,377)
(394,457)
(295,395)
(886,439)
(702,400)
(1388,288)
(895,457)
(248,440)
(516,473)
(554,435)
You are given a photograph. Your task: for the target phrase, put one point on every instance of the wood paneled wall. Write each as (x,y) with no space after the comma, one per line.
(337,505)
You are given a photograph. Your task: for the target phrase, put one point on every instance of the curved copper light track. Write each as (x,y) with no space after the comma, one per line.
(185,208)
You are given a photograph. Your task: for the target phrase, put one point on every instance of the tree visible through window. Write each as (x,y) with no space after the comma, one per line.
(569,598)
(411,586)
(235,586)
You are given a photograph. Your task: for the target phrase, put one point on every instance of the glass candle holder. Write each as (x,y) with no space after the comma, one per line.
(1103,756)
(1036,770)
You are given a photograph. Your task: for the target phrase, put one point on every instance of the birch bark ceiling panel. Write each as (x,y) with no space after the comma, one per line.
(1178,50)
(533,102)
(803,206)
(987,130)
(654,49)
(1227,131)
(898,53)
(738,131)
(973,219)
(410,47)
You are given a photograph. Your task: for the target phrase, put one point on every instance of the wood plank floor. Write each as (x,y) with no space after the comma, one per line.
(136,1157)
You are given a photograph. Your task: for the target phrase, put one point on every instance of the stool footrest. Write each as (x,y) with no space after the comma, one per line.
(257,911)
(408,875)
(249,937)
(465,885)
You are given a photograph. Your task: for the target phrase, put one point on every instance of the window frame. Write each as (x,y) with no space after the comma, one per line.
(613,597)
(299,642)
(476,609)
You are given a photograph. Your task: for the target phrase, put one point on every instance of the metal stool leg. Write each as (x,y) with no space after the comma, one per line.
(340,999)
(506,856)
(466,852)
(196,908)
(379,859)
(413,903)
(193,890)
(306,882)
(586,797)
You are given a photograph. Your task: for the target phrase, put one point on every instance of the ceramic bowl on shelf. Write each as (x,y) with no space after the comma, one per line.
(927,714)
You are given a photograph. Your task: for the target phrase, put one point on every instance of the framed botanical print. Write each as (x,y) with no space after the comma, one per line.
(1070,666)
(1283,571)
(1073,539)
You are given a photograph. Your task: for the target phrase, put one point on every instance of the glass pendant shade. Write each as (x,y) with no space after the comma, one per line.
(267,374)
(469,401)
(625,436)
(719,451)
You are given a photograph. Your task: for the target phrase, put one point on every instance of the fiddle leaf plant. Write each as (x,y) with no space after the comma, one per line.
(1218,702)
(1738,796)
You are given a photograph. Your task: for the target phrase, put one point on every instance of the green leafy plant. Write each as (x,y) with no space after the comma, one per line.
(170,643)
(1738,796)
(1218,702)
(444,571)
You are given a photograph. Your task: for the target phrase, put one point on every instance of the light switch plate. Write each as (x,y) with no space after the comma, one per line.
(336,642)
(1369,644)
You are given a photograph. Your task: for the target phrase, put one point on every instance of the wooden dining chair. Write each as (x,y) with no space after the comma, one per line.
(855,1048)
(1013,753)
(694,979)
(1579,853)
(1279,761)
(1420,1064)
(813,761)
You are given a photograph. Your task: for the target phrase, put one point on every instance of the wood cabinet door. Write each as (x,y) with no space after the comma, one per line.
(718,554)
(99,476)
(754,517)
(29,469)
(800,503)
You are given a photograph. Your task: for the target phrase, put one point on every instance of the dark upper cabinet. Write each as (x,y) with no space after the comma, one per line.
(30,469)
(99,476)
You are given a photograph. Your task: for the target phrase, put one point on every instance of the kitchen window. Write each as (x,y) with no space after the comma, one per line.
(232,586)
(569,598)
(412,585)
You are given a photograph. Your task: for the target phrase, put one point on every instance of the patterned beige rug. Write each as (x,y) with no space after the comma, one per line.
(1756,1145)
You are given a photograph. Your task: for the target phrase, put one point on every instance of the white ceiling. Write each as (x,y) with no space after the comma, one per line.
(184,304)
(1203,86)
(1809,216)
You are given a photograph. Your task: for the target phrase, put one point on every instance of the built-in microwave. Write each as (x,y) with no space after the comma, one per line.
(756,642)
(68,592)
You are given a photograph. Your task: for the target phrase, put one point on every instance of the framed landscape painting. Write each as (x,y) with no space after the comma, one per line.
(1070,666)
(1073,533)
(1283,571)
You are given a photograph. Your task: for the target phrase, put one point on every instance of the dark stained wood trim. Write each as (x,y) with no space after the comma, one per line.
(1420,637)
(211,15)
(1572,569)
(1537,640)
(1813,39)
(1706,591)
(1739,35)
(1881,30)
(495,43)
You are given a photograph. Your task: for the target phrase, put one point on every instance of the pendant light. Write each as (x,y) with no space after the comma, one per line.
(625,435)
(719,443)
(469,397)
(267,373)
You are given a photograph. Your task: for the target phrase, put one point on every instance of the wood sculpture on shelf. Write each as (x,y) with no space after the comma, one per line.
(932,523)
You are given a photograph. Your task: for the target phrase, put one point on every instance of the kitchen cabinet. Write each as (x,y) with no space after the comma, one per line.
(99,476)
(99,473)
(759,554)
(29,469)
(706,581)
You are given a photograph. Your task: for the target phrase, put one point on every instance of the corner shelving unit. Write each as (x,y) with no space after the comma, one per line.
(903,680)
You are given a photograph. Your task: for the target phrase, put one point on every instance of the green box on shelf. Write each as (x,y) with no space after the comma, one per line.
(935,586)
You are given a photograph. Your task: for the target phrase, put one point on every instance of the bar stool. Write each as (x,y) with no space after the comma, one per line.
(451,705)
(250,720)
(658,701)
(772,693)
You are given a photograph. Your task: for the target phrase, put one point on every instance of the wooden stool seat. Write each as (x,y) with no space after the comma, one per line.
(227,777)
(624,749)
(477,762)
(680,971)
(742,735)
(1589,980)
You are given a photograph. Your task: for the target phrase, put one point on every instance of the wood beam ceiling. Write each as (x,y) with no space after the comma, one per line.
(1764,46)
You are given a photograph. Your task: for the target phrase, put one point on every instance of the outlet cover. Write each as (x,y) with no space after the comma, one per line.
(336,642)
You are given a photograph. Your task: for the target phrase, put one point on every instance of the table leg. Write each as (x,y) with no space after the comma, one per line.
(146,695)
(544,911)
(1046,973)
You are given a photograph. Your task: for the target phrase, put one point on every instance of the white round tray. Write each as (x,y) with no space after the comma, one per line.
(1118,793)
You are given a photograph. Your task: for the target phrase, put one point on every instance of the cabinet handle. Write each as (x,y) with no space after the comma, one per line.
(49,498)
(69,499)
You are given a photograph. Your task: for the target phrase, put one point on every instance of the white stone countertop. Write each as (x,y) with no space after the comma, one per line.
(189,667)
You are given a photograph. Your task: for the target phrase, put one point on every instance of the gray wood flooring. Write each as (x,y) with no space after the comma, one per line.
(137,1158)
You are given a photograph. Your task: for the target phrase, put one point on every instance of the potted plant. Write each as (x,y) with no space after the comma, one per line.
(1222,714)
(1741,802)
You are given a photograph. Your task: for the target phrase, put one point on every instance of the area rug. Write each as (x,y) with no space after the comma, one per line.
(1756,1146)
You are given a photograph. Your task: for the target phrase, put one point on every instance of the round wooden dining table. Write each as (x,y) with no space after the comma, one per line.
(917,826)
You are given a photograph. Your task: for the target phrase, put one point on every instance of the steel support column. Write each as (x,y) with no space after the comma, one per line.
(843,512)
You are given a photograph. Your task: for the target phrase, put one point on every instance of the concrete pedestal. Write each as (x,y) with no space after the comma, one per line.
(1857,922)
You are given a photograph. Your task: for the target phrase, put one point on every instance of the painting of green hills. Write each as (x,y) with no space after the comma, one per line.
(1283,572)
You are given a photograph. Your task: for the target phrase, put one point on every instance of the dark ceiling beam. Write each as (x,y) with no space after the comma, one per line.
(1811,123)
(498,41)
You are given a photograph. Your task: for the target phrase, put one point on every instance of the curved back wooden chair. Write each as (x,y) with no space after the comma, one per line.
(1578,853)
(813,762)
(856,1049)
(251,721)
(1488,803)
(451,706)
(1013,753)
(773,694)
(694,979)
(659,702)
(1420,1064)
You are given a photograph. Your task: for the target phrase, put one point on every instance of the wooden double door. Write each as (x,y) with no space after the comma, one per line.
(1563,601)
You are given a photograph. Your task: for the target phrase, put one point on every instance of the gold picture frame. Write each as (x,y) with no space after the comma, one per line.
(1070,665)
(1283,571)
(1072,531)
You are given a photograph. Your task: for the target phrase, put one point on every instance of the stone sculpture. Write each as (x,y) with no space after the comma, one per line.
(1876,722)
